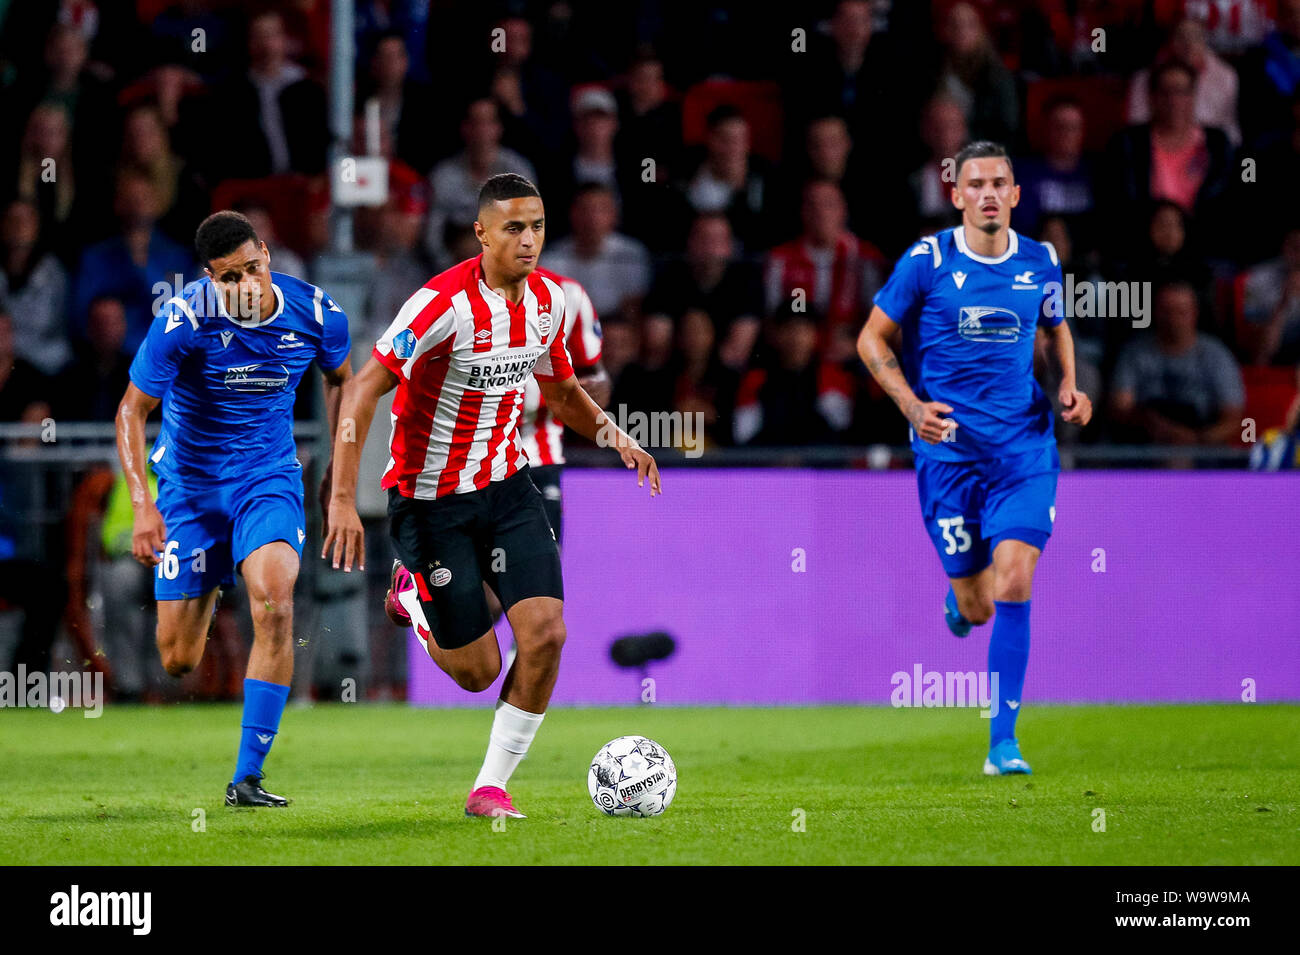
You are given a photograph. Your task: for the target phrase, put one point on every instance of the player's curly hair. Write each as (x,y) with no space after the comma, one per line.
(222,233)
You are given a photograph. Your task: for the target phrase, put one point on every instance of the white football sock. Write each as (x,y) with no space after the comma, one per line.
(513,730)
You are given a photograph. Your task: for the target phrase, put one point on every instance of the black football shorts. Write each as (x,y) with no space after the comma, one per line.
(453,545)
(547,479)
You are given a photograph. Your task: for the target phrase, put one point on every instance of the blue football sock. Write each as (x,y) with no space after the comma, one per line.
(263,704)
(1008,658)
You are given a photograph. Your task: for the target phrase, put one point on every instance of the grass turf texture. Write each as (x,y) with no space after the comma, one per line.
(387,784)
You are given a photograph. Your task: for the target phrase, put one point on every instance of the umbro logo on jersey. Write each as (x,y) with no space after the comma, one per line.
(483,335)
(290,340)
(959,278)
(1024,281)
(225,338)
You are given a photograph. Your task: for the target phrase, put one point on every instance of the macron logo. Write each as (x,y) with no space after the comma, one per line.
(132,909)
(959,278)
(225,338)
(173,322)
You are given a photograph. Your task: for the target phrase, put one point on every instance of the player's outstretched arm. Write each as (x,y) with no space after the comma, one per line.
(573,406)
(926,417)
(345,538)
(149,532)
(334,382)
(1076,406)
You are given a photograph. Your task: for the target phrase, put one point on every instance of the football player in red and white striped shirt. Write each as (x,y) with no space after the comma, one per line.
(463,509)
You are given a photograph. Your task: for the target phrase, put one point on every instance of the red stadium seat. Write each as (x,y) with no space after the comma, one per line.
(759,102)
(1102,99)
(1269,393)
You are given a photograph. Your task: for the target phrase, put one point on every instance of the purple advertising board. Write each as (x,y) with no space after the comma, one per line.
(805,587)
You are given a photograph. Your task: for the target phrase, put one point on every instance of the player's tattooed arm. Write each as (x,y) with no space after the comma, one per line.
(148,532)
(574,407)
(926,417)
(344,538)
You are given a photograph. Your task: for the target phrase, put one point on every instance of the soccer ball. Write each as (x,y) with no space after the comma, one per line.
(632,776)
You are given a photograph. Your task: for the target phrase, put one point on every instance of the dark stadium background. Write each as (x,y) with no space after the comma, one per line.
(773,130)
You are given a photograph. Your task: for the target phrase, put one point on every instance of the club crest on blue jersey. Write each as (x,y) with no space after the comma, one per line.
(257,378)
(988,323)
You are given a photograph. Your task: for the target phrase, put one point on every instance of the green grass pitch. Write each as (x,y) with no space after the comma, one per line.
(386,784)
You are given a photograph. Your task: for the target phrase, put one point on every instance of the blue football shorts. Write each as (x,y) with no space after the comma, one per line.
(210,530)
(969,507)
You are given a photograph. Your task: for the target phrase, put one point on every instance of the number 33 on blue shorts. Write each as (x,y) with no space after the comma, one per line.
(969,507)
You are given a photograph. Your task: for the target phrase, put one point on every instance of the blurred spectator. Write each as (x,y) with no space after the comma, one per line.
(146,149)
(94,383)
(1170,252)
(1092,334)
(830,268)
(1215,81)
(1270,74)
(854,72)
(711,280)
(826,153)
(399,268)
(283,259)
(271,119)
(796,399)
(33,289)
(731,180)
(24,391)
(1271,305)
(408,20)
(1231,26)
(406,107)
(943,130)
(1172,157)
(533,100)
(44,173)
(650,131)
(1178,386)
(1060,181)
(702,384)
(131,263)
(595,124)
(971,73)
(614,268)
(67,82)
(456,181)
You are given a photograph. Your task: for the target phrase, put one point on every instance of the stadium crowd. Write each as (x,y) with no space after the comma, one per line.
(730,185)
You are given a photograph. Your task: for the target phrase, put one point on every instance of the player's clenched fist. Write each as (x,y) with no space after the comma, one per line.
(927,420)
(346,539)
(634,457)
(148,535)
(1076,406)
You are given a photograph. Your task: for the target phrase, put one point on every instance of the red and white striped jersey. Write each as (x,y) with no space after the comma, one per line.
(542,433)
(462,353)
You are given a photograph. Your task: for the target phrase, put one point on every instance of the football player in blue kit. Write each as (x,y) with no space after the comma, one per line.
(970,302)
(224,358)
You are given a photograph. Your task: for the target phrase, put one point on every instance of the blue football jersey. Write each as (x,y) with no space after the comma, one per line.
(968,339)
(227,385)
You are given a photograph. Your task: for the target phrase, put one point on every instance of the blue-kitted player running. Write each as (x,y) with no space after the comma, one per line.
(970,302)
(225,358)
